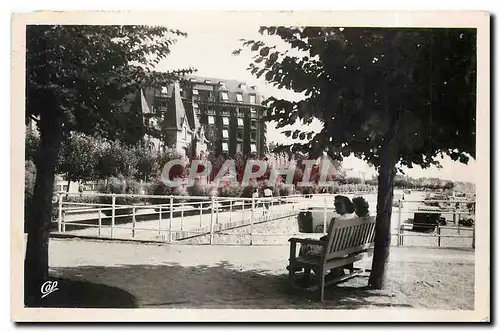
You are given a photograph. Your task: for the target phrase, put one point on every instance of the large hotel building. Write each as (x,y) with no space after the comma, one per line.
(214,115)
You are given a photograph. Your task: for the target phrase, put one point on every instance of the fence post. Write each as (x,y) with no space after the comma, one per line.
(99,223)
(212,221)
(133,221)
(252,214)
(113,206)
(171,217)
(216,211)
(59,212)
(64,221)
(201,213)
(399,242)
(439,235)
(474,236)
(230,210)
(182,215)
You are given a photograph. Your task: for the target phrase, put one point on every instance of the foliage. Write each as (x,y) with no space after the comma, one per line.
(29,179)
(31,145)
(114,159)
(78,158)
(381,86)
(145,163)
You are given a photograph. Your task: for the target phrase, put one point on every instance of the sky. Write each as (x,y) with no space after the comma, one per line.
(208,48)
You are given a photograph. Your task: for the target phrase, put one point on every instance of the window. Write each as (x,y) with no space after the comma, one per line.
(225,121)
(240,122)
(225,146)
(253,135)
(211,120)
(238,147)
(254,124)
(253,111)
(222,85)
(252,99)
(208,81)
(240,134)
(195,92)
(195,105)
(225,133)
(65,187)
(239,97)
(253,148)
(224,95)
(164,89)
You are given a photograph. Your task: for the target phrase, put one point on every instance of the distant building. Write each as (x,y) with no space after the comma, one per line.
(207,115)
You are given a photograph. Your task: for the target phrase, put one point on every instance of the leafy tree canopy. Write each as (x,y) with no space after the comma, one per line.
(411,87)
(90,73)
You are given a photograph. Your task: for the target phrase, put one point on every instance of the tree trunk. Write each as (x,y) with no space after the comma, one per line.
(385,195)
(40,216)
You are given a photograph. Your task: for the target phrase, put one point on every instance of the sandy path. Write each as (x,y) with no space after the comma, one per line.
(255,277)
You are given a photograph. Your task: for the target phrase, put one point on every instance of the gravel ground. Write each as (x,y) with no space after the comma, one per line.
(254,277)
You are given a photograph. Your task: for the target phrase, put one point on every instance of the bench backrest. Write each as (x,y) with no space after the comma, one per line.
(347,236)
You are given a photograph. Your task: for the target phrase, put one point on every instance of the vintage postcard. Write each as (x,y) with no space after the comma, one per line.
(250,166)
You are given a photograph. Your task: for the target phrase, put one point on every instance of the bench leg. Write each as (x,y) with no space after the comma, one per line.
(291,277)
(322,283)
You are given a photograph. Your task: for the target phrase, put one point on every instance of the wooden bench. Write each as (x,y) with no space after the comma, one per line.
(347,241)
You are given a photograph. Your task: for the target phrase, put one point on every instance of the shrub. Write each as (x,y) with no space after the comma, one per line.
(29,187)
(82,199)
(160,188)
(120,185)
(286,189)
(229,191)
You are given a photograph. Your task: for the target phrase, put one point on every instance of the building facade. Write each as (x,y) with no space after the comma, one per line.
(207,115)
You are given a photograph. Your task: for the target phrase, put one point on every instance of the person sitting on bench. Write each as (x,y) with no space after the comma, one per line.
(345,209)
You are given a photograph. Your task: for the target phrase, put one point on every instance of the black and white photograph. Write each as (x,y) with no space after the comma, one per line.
(251,160)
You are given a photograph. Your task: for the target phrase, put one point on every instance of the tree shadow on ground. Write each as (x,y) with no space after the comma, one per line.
(220,286)
(87,294)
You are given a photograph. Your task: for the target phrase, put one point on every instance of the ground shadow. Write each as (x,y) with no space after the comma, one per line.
(87,294)
(219,286)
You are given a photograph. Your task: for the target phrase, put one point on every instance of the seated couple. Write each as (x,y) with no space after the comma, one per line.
(345,209)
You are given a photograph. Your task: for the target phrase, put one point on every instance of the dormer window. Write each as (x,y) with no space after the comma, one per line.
(208,81)
(195,92)
(242,86)
(252,99)
(222,85)
(224,95)
(164,89)
(239,97)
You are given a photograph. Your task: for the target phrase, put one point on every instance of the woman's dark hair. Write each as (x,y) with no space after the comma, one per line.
(361,206)
(349,207)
